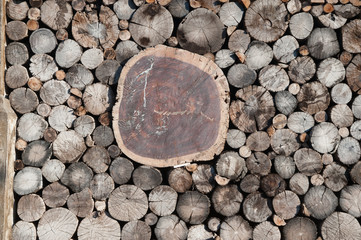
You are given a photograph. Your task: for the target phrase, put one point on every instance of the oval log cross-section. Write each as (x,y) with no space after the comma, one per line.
(172,108)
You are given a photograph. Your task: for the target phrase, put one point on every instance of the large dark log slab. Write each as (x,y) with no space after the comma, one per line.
(172,108)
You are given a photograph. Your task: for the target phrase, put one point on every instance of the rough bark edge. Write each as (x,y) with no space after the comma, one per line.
(223,88)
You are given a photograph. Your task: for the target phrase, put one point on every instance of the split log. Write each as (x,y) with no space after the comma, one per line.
(171,227)
(101,186)
(286,204)
(98,98)
(346,10)
(193,207)
(323,43)
(231,166)
(42,41)
(250,183)
(28,180)
(266,230)
(273,78)
(225,58)
(254,109)
(56,14)
(31,127)
(235,138)
(259,163)
(266,21)
(355,130)
(203,178)
(23,230)
(301,25)
(78,76)
(43,67)
(332,20)
(335,177)
(285,102)
(325,138)
(300,122)
(284,141)
(163,200)
(97,158)
(195,34)
(341,93)
(300,228)
(61,118)
(16,53)
(308,161)
(146,177)
(55,195)
(23,100)
(151,25)
(53,170)
(178,8)
(16,76)
(227,200)
(330,72)
(16,30)
(108,72)
(90,31)
(349,151)
(285,49)
(321,202)
(69,146)
(121,170)
(313,97)
(299,184)
(83,176)
(258,55)
(199,232)
(231,13)
(36,153)
(68,53)
(241,76)
(127,203)
(98,226)
(92,58)
(350,36)
(340,226)
(84,125)
(180,180)
(124,9)
(349,200)
(81,203)
(236,228)
(256,207)
(30,208)
(272,184)
(57,223)
(284,166)
(17,10)
(293,6)
(353,73)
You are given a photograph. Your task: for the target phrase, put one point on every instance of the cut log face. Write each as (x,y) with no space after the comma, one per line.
(353,73)
(68,53)
(199,232)
(341,226)
(37,153)
(323,43)
(69,146)
(201,31)
(121,170)
(351,36)
(266,230)
(146,112)
(203,178)
(227,200)
(321,202)
(23,100)
(332,20)
(31,127)
(258,55)
(302,69)
(81,203)
(308,161)
(239,41)
(42,41)
(124,9)
(285,49)
(171,227)
(83,175)
(231,13)
(273,78)
(17,10)
(30,207)
(24,230)
(241,76)
(231,166)
(286,204)
(330,72)
(325,137)
(266,20)
(28,180)
(313,97)
(53,170)
(301,25)
(349,200)
(163,200)
(285,102)
(78,76)
(236,228)
(256,207)
(56,14)
(16,76)
(300,228)
(16,53)
(193,207)
(150,25)
(43,66)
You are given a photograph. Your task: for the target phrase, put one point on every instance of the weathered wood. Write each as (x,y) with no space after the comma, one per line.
(240,76)
(350,36)
(272,184)
(236,228)
(68,146)
(62,34)
(193,207)
(30,207)
(98,226)
(323,43)
(55,92)
(203,178)
(23,100)
(83,176)
(334,176)
(150,219)
(16,30)
(266,21)
(55,195)
(313,97)
(57,223)
(286,204)
(16,53)
(349,200)
(321,202)
(36,153)
(284,166)
(16,76)
(121,170)
(256,207)
(225,58)
(42,41)
(23,230)
(235,138)
(300,228)
(178,8)
(124,9)
(28,180)
(81,203)
(103,136)
(17,10)
(197,35)
(227,200)
(284,141)
(250,183)
(353,73)
(301,69)
(32,25)
(308,161)
(231,166)
(325,138)
(171,227)
(300,122)
(61,118)
(53,170)
(214,224)
(266,230)
(356,173)
(355,130)
(285,102)
(114,151)
(56,14)
(299,183)
(259,163)
(50,135)
(43,66)
(349,151)
(92,58)
(84,125)
(108,72)
(239,41)
(346,10)
(68,53)
(101,186)
(258,55)
(31,127)
(163,200)
(231,13)
(199,232)
(285,49)
(146,177)
(98,98)
(97,158)
(356,107)
(78,76)
(330,72)
(341,226)
(35,84)
(301,25)
(180,180)
(332,20)
(127,203)
(341,93)
(258,141)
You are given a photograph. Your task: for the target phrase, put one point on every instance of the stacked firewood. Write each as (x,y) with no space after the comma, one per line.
(290,168)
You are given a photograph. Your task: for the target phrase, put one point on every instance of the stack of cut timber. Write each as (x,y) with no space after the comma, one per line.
(284,77)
